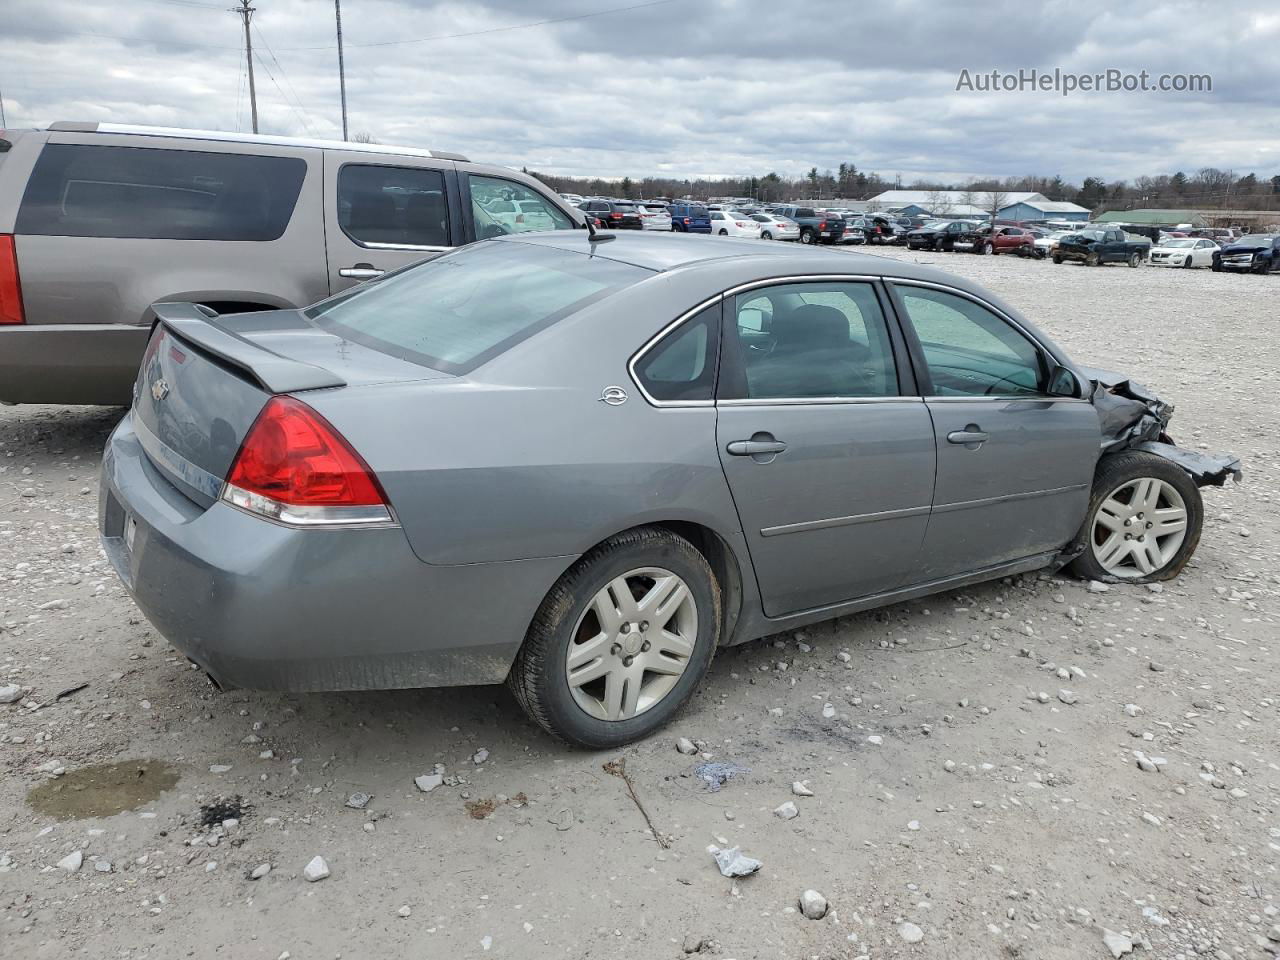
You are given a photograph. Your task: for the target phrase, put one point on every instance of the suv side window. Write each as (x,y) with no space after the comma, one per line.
(682,366)
(809,340)
(393,206)
(969,350)
(490,197)
(81,190)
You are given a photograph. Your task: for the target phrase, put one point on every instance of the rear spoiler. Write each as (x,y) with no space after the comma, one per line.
(197,324)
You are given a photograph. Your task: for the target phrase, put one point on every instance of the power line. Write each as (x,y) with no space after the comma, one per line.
(296,111)
(301,110)
(481,33)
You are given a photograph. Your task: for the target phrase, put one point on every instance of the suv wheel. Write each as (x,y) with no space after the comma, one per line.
(1144,520)
(621,641)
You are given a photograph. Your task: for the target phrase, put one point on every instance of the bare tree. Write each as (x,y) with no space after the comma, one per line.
(996,200)
(363,137)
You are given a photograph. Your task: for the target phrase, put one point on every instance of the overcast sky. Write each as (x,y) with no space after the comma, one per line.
(677,88)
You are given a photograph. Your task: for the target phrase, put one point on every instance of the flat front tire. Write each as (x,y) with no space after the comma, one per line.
(1144,520)
(621,641)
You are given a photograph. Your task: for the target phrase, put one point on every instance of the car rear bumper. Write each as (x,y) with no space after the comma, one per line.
(262,605)
(70,363)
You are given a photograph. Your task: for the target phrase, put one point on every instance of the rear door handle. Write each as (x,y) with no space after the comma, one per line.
(755,448)
(969,435)
(361,271)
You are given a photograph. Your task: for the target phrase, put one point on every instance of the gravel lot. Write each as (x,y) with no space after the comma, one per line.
(976,791)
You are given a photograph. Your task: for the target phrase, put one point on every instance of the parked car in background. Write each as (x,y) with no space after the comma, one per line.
(655,217)
(1184,252)
(941,235)
(100,221)
(729,223)
(983,239)
(854,231)
(774,449)
(572,198)
(1048,242)
(690,218)
(616,214)
(814,226)
(1096,247)
(773,227)
(1256,253)
(1220,235)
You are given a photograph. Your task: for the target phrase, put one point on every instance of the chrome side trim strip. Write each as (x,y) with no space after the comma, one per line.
(807,525)
(372,245)
(792,401)
(1007,498)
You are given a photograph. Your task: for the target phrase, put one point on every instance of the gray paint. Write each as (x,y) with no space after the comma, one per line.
(501,478)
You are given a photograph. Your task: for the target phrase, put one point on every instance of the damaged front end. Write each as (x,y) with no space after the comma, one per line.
(1134,418)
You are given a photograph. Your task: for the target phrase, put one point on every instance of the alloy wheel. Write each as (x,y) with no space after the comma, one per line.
(632,643)
(1138,528)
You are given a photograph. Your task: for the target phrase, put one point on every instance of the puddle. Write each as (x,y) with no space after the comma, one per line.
(103,789)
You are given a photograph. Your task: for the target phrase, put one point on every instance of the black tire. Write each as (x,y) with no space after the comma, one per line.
(1216,268)
(538,677)
(1187,262)
(1057,258)
(806,236)
(1113,473)
(1093,260)
(1135,260)
(982,249)
(766,235)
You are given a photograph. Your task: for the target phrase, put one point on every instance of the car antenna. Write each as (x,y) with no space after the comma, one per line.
(594,235)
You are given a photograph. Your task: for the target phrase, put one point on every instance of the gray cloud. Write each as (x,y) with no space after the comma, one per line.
(686,88)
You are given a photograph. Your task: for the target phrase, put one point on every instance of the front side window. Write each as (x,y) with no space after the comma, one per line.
(504,206)
(809,341)
(80,190)
(969,350)
(682,366)
(393,206)
(457,311)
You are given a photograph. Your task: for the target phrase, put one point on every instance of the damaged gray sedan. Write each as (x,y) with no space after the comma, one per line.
(580,464)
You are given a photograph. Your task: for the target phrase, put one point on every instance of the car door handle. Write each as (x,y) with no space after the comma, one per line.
(361,271)
(970,434)
(755,448)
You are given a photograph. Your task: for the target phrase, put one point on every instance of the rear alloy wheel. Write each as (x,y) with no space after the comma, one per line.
(1144,520)
(1135,259)
(621,641)
(806,236)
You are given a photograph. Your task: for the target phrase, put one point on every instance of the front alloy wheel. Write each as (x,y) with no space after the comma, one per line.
(1144,520)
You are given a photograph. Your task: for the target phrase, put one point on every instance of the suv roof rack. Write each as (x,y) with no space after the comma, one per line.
(80,126)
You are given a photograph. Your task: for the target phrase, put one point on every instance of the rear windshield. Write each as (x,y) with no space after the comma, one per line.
(80,190)
(465,308)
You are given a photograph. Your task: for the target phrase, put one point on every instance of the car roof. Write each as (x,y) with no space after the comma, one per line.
(662,252)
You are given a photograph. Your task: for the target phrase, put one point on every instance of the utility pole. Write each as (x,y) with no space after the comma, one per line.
(246,12)
(342,73)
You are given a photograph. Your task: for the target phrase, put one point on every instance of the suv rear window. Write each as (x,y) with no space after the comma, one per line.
(460,310)
(80,190)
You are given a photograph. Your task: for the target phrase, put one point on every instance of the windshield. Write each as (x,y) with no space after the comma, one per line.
(1178,243)
(460,310)
(1257,239)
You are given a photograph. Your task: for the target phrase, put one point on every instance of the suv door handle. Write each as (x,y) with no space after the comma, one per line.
(755,448)
(969,435)
(361,271)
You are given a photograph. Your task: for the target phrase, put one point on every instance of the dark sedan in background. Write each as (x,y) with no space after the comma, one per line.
(1256,253)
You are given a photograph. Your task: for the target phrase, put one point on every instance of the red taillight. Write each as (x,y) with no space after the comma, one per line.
(615,216)
(10,288)
(295,467)
(686,219)
(822,224)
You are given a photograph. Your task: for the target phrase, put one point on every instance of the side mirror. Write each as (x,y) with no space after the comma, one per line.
(1063,383)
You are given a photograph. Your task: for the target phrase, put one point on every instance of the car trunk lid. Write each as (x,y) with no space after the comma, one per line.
(204,379)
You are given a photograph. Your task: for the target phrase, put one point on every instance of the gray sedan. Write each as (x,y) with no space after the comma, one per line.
(581,464)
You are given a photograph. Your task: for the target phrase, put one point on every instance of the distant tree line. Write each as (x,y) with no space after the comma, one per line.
(1208,187)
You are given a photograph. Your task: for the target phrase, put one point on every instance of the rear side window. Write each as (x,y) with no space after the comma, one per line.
(79,190)
(395,206)
(682,366)
(464,308)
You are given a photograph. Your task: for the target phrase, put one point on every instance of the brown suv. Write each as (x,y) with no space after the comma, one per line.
(99,221)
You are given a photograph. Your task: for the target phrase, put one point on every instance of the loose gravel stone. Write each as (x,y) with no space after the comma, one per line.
(316,870)
(813,905)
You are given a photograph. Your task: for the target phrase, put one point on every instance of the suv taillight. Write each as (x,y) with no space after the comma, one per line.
(294,467)
(10,287)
